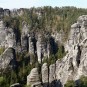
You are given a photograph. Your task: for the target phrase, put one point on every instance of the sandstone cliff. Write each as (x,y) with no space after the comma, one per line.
(73,65)
(28,48)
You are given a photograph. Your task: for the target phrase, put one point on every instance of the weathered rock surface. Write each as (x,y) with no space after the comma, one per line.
(74,64)
(7,36)
(45,76)
(24,37)
(1,13)
(45,47)
(32,44)
(52,75)
(33,77)
(6,12)
(8,59)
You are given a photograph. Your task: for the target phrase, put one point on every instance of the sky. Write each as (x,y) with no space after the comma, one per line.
(11,4)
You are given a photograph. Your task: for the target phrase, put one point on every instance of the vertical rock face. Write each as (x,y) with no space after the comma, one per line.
(39,50)
(45,47)
(78,31)
(7,36)
(74,64)
(45,76)
(2,33)
(20,12)
(8,58)
(1,13)
(52,76)
(52,73)
(31,45)
(6,12)
(24,43)
(33,77)
(24,37)
(10,38)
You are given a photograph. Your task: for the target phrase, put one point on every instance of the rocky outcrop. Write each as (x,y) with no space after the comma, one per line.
(1,13)
(6,12)
(74,64)
(7,36)
(52,75)
(46,45)
(45,75)
(39,50)
(41,45)
(24,37)
(8,59)
(36,44)
(33,77)
(32,45)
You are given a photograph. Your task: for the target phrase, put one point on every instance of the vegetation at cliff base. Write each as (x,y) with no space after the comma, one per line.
(82,82)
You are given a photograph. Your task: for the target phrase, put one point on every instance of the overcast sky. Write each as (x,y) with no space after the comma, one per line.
(37,3)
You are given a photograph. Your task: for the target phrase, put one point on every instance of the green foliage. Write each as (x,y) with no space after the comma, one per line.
(83,81)
(61,52)
(59,55)
(40,19)
(27,86)
(2,81)
(50,60)
(70,83)
(2,49)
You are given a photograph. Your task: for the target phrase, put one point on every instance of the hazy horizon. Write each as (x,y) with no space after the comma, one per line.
(39,3)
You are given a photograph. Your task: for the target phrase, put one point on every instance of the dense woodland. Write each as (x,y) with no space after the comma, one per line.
(40,19)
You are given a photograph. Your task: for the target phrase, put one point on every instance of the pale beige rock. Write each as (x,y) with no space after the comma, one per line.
(33,77)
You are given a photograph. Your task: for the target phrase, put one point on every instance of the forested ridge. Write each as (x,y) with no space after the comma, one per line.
(43,20)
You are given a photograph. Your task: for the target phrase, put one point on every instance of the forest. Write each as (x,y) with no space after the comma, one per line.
(41,19)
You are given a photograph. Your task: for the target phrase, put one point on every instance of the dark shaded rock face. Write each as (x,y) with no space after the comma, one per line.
(6,12)
(1,13)
(8,59)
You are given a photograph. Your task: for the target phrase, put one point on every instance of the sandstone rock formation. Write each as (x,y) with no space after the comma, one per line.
(74,64)
(33,77)
(8,59)
(70,67)
(45,77)
(52,75)
(7,36)
(24,37)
